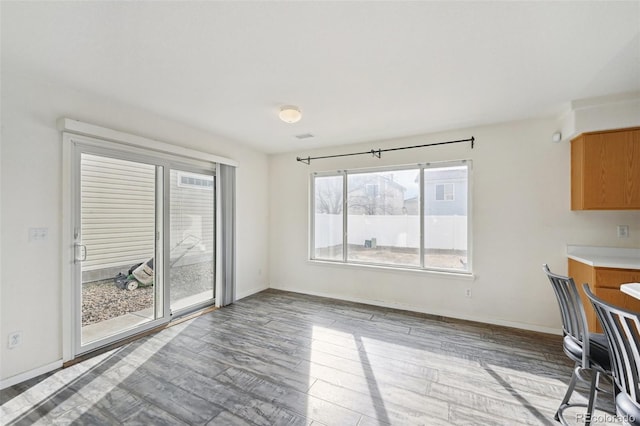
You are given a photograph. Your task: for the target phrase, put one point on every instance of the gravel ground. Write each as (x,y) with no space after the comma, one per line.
(102,300)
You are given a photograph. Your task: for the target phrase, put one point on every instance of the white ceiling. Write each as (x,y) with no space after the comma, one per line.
(359,71)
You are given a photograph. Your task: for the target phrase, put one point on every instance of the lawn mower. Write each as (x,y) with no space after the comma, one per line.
(141,274)
(138,274)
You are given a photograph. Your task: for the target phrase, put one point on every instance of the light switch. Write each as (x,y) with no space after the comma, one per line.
(623,231)
(38,234)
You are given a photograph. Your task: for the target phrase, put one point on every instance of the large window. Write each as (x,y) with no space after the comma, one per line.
(393,216)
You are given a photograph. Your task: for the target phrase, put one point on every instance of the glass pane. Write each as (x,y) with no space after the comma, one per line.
(192,240)
(328,230)
(384,217)
(117,212)
(445,217)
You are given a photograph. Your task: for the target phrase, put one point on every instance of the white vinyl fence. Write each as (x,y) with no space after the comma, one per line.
(441,232)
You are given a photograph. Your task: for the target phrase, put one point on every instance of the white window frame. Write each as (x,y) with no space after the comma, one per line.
(374,188)
(421,167)
(444,185)
(181,174)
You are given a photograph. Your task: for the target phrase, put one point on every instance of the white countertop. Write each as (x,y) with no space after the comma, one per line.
(632,289)
(605,257)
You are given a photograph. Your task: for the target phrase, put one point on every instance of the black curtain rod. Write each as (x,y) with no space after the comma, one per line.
(378,152)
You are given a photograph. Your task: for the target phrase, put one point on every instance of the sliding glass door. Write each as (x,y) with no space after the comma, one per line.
(143,242)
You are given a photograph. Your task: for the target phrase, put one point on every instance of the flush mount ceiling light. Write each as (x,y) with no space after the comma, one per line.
(290,114)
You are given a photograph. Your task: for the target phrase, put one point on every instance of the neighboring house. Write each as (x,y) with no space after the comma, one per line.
(412,206)
(375,194)
(118,219)
(445,192)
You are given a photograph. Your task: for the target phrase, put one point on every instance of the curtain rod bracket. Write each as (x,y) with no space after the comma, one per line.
(473,140)
(306,161)
(377,153)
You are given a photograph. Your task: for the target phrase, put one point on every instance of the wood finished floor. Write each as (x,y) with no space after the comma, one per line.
(280,358)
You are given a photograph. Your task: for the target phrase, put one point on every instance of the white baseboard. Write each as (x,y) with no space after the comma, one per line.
(19,378)
(448,314)
(250,292)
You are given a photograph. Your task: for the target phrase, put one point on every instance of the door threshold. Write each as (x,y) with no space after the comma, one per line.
(130,339)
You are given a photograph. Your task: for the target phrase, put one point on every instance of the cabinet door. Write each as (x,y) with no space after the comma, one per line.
(618,298)
(583,273)
(611,171)
(613,278)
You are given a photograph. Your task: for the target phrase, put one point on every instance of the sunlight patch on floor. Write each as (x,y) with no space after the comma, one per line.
(349,368)
(74,407)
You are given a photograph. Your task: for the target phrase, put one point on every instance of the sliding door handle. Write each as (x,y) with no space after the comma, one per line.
(80,253)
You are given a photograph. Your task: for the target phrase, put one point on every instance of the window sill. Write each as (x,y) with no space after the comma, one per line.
(384,268)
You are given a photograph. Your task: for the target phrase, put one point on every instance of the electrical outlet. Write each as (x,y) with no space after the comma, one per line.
(15,339)
(467,292)
(623,231)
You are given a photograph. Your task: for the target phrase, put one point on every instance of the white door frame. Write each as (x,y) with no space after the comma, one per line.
(72,146)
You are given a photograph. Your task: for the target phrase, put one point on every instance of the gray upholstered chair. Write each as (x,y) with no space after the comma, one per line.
(588,350)
(622,329)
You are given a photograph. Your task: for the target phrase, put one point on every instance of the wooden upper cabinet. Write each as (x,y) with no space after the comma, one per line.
(605,170)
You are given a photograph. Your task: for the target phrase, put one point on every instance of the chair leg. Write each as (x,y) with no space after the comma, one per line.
(592,396)
(567,395)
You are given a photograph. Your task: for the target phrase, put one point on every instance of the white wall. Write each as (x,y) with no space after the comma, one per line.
(521,219)
(31,197)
